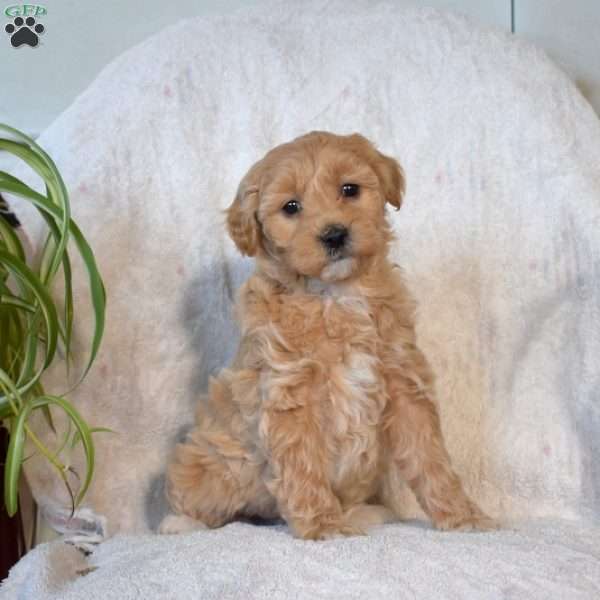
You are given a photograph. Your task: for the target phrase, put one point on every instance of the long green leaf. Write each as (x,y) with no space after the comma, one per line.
(57,193)
(12,300)
(24,273)
(14,456)
(14,461)
(13,399)
(11,239)
(28,375)
(97,291)
(77,437)
(29,317)
(23,152)
(84,433)
(68,296)
(66,333)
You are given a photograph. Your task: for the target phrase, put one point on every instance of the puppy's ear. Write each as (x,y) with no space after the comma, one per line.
(388,170)
(392,180)
(242,221)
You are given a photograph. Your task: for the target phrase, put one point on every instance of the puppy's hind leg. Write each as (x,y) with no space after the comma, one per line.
(211,480)
(213,477)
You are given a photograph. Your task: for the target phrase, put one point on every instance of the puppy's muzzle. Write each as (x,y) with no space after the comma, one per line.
(334,238)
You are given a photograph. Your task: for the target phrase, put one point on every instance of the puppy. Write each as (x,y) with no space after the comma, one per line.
(329,403)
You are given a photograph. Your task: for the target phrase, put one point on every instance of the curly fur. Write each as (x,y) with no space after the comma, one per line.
(329,403)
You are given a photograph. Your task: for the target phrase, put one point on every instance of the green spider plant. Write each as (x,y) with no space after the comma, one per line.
(34,322)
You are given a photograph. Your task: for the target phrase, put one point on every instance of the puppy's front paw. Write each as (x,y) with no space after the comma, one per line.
(472,520)
(174,524)
(330,531)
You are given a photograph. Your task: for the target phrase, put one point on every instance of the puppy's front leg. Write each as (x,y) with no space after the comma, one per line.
(297,477)
(414,436)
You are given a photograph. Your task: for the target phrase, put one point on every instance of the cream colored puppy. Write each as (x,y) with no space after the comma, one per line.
(329,402)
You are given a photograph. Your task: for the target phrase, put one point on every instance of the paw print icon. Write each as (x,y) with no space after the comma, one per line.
(24,32)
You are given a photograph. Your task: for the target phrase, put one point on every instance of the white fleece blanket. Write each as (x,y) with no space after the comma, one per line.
(544,561)
(498,237)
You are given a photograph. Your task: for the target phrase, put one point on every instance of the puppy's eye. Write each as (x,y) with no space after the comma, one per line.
(350,190)
(292,207)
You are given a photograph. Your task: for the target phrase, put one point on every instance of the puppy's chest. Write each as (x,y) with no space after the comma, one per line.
(340,334)
(347,391)
(326,328)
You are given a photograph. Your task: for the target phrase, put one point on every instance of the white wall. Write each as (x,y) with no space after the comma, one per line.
(82,36)
(489,12)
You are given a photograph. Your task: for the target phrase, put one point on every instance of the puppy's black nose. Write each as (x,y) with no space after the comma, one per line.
(334,237)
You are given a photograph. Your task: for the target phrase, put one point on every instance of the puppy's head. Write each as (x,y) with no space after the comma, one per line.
(316,206)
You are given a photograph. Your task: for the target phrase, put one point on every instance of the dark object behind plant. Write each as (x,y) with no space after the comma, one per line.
(12,542)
